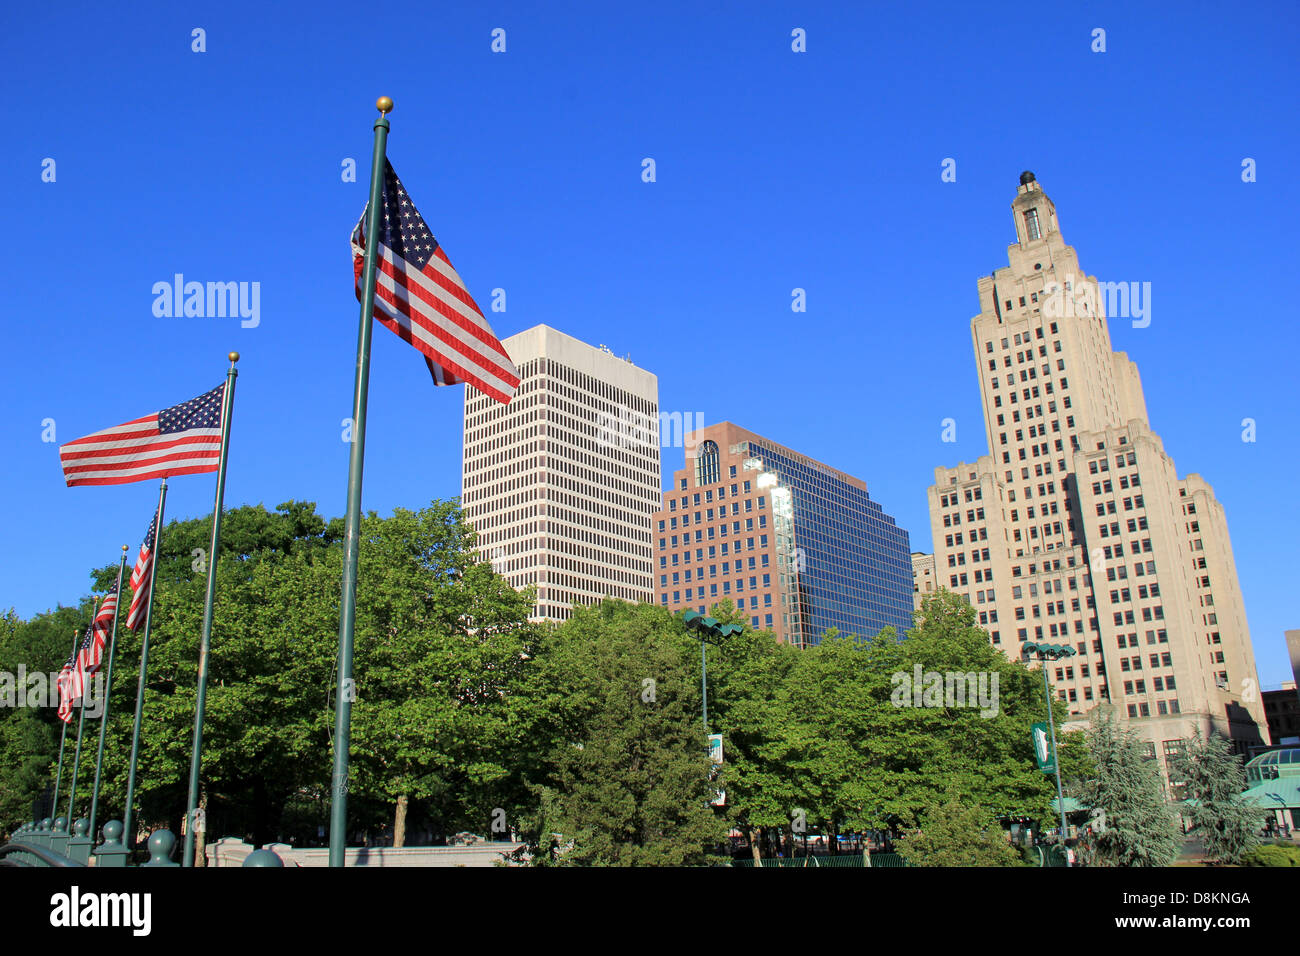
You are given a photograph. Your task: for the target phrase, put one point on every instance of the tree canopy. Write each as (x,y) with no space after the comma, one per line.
(825,733)
(585,739)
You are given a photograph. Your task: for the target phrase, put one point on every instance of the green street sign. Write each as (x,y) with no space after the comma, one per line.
(1044,754)
(715,754)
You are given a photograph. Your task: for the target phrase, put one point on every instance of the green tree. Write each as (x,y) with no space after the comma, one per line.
(1137,827)
(29,735)
(443,644)
(749,705)
(441,641)
(956,833)
(834,730)
(267,721)
(627,778)
(1213,780)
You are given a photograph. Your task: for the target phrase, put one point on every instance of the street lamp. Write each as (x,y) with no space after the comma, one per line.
(1045,653)
(710,631)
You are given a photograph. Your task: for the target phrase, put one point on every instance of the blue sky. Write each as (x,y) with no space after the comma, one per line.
(775,170)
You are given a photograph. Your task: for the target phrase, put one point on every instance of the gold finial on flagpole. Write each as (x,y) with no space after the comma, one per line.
(384,104)
(234,357)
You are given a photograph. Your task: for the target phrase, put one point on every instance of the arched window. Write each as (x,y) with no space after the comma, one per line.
(706,463)
(1031,224)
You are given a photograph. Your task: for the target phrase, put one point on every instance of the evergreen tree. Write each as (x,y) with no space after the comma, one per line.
(1138,827)
(1213,779)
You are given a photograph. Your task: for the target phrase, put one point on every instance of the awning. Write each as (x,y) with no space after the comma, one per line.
(1275,794)
(1071,806)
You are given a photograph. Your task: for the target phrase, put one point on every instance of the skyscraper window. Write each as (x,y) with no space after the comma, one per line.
(1031,224)
(706,464)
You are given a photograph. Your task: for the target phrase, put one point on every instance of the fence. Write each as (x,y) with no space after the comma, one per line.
(49,843)
(844,859)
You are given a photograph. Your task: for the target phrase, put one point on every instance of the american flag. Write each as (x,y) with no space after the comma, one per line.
(140,579)
(182,440)
(91,654)
(85,660)
(420,298)
(65,680)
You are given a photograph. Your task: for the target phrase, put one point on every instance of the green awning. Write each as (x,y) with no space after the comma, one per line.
(1071,805)
(1275,794)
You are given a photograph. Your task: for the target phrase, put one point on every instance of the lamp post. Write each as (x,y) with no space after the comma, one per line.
(710,631)
(1046,652)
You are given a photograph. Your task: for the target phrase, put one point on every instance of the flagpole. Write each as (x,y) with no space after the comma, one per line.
(81,722)
(343,693)
(128,835)
(108,690)
(63,737)
(204,642)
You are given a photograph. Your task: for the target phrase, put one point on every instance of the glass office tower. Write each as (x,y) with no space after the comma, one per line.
(799,547)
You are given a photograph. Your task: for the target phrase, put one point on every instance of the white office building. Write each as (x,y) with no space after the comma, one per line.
(561,483)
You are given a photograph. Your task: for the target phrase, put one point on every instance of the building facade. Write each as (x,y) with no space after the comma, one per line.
(1282,710)
(1075,528)
(797,546)
(924,579)
(561,483)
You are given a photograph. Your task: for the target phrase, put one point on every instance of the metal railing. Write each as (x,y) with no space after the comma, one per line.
(48,843)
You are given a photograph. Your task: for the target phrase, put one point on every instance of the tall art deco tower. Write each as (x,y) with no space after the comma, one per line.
(1076,528)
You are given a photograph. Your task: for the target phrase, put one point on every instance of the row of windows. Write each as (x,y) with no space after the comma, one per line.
(1048,508)
(1067,673)
(1124,594)
(1030,412)
(1021,338)
(592,590)
(713,573)
(1163,708)
(735,525)
(976,534)
(1035,431)
(699,536)
(687,500)
(731,473)
(959,558)
(713,553)
(1125,481)
(972,494)
(1156,613)
(1108,507)
(1032,393)
(691,594)
(753,621)
(1049,587)
(1154,636)
(707,514)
